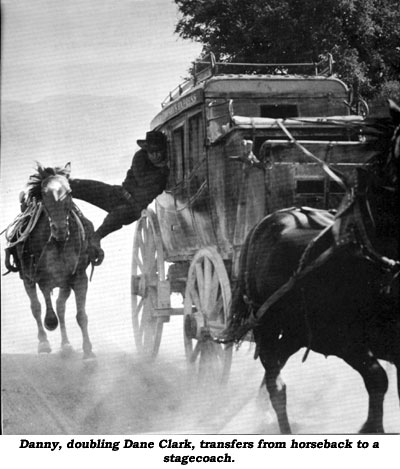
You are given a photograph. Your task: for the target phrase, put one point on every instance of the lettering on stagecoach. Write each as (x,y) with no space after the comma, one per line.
(177,107)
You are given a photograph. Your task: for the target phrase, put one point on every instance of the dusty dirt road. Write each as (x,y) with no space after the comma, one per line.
(48,394)
(120,395)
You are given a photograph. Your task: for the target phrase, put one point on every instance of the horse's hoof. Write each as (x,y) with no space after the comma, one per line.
(371,429)
(44,347)
(89,356)
(51,325)
(66,350)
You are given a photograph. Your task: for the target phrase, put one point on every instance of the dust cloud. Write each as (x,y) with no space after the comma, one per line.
(121,394)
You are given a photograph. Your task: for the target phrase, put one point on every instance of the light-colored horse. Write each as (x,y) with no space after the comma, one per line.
(54,255)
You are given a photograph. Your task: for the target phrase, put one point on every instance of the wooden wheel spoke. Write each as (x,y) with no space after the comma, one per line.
(142,248)
(143,231)
(219,351)
(151,246)
(207,282)
(139,263)
(215,313)
(214,288)
(208,289)
(141,328)
(204,361)
(139,307)
(152,265)
(200,282)
(196,352)
(147,260)
(196,299)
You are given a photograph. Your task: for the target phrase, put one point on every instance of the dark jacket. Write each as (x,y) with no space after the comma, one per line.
(144,181)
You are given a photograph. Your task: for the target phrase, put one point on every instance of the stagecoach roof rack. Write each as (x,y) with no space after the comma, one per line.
(204,69)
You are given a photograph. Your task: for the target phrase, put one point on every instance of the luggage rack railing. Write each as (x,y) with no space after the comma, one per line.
(204,69)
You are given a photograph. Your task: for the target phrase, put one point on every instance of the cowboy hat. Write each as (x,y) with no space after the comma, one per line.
(154,139)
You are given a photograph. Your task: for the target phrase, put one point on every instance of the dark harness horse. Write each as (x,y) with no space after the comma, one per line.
(54,255)
(334,290)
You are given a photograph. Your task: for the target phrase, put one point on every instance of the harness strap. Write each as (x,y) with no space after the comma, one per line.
(325,167)
(286,287)
(368,251)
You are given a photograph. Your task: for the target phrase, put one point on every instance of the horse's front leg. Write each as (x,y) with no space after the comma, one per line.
(44,345)
(80,287)
(63,296)
(50,319)
(376,383)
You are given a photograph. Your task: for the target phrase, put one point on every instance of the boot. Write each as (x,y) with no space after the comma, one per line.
(11,260)
(95,253)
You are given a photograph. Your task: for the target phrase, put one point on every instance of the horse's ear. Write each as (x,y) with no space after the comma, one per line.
(394,112)
(39,166)
(41,170)
(67,169)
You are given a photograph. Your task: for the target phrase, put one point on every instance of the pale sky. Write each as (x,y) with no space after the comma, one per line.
(80,82)
(100,47)
(60,56)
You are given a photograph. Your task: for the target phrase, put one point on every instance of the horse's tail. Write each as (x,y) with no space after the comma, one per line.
(239,323)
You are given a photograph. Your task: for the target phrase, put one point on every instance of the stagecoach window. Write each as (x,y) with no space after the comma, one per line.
(310,186)
(196,140)
(178,157)
(276,111)
(335,188)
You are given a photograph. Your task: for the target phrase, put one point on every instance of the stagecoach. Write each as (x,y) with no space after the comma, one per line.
(244,140)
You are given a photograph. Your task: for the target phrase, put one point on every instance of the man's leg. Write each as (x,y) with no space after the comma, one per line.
(119,216)
(100,194)
(109,198)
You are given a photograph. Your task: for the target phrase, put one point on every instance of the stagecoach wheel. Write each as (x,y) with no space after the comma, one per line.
(206,309)
(147,272)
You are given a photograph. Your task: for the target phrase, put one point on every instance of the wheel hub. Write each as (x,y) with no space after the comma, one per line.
(196,326)
(139,285)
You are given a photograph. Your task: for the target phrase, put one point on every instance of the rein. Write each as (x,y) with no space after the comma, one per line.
(332,174)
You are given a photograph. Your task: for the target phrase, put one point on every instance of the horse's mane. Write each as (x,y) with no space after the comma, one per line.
(34,185)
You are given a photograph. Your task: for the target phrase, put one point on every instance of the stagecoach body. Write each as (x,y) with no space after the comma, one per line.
(231,163)
(213,196)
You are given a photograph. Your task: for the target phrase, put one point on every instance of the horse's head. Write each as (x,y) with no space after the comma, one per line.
(57,202)
(378,185)
(51,187)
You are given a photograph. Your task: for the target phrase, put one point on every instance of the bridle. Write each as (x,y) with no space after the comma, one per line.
(66,193)
(363,214)
(70,212)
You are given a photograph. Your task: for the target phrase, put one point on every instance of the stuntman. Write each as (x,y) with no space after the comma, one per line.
(146,178)
(144,181)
